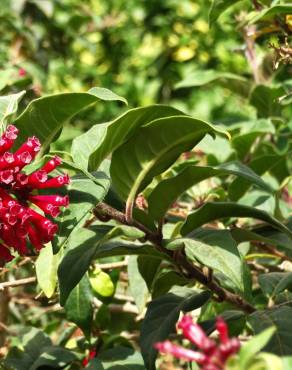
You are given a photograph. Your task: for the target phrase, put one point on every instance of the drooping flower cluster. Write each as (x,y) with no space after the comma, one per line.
(212,355)
(19,223)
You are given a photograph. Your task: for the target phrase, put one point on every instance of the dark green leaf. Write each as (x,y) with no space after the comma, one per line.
(78,306)
(259,165)
(167,191)
(265,100)
(44,117)
(161,317)
(213,211)
(274,283)
(281,319)
(81,249)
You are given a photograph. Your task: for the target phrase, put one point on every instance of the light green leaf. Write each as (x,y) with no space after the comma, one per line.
(137,284)
(217,250)
(253,346)
(214,211)
(152,150)
(167,191)
(44,117)
(102,139)
(46,270)
(204,77)
(218,7)
(8,106)
(273,11)
(101,283)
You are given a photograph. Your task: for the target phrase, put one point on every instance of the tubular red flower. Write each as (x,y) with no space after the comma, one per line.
(8,138)
(180,352)
(212,355)
(19,224)
(55,182)
(5,253)
(195,333)
(52,164)
(222,328)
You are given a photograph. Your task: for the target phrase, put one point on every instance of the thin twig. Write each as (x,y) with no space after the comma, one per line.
(15,283)
(111,265)
(178,259)
(127,307)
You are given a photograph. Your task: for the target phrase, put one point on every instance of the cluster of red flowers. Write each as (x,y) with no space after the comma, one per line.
(212,355)
(18,222)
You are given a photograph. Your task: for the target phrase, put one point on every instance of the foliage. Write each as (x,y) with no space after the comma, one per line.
(179,202)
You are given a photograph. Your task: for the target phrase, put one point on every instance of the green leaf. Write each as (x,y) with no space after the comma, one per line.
(46,270)
(102,139)
(281,319)
(274,283)
(101,283)
(53,357)
(242,235)
(78,306)
(80,251)
(153,149)
(217,250)
(271,12)
(259,165)
(121,358)
(213,211)
(243,142)
(84,194)
(265,100)
(8,106)
(167,191)
(204,77)
(86,244)
(33,344)
(218,7)
(165,280)
(253,346)
(161,317)
(45,117)
(137,284)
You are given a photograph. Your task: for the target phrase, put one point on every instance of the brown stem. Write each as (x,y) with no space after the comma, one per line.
(250,52)
(14,283)
(257,5)
(179,259)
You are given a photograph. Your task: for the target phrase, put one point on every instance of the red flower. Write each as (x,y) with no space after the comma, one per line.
(212,355)
(20,224)
(92,354)
(21,72)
